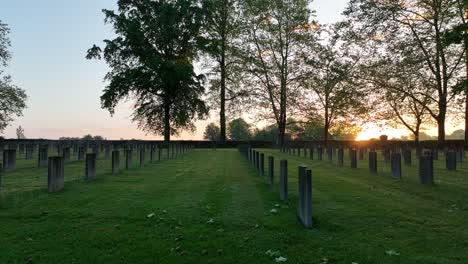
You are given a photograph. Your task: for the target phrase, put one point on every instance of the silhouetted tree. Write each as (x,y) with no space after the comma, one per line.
(239,130)
(415,28)
(211,132)
(151,60)
(276,32)
(221,28)
(12,98)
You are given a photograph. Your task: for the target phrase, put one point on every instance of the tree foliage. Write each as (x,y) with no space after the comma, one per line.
(151,61)
(221,30)
(276,33)
(12,98)
(337,95)
(239,130)
(211,132)
(412,31)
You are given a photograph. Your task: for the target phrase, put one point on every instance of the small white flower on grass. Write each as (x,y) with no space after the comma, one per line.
(150,215)
(392,252)
(277,205)
(274,211)
(164,211)
(211,221)
(280,259)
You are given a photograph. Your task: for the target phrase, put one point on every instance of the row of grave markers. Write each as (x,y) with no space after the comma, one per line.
(426,159)
(10,154)
(257,160)
(56,164)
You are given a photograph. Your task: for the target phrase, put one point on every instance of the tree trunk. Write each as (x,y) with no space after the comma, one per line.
(416,134)
(441,130)
(327,123)
(466,92)
(222,113)
(466,115)
(281,132)
(167,123)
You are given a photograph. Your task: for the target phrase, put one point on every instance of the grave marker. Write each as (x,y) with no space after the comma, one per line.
(55,176)
(283,180)
(90,170)
(395,164)
(270,170)
(451,160)
(426,169)
(115,162)
(128,158)
(305,197)
(373,162)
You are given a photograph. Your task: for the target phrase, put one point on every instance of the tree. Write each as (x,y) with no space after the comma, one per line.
(389,77)
(276,32)
(98,138)
(151,60)
(333,66)
(415,28)
(12,98)
(87,137)
(268,133)
(222,28)
(239,130)
(459,35)
(20,133)
(211,132)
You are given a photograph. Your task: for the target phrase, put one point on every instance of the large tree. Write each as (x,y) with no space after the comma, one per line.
(211,132)
(151,61)
(239,130)
(221,29)
(415,28)
(388,78)
(459,35)
(276,32)
(12,98)
(336,97)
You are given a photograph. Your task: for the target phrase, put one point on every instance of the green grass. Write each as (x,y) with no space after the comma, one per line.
(358,217)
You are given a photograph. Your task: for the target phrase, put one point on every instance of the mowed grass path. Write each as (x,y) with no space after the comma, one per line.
(212,207)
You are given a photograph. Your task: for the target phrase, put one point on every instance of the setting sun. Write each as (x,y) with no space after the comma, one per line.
(372,131)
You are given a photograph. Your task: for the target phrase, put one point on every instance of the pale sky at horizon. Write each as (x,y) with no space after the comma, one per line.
(49,42)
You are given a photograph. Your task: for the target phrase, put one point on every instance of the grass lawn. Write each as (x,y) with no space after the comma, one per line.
(213,207)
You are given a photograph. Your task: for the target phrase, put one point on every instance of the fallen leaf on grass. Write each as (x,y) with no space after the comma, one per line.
(392,252)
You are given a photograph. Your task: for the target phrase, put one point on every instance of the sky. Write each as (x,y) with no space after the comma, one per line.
(49,42)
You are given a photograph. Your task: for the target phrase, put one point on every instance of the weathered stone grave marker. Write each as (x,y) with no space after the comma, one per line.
(262,164)
(42,156)
(353,158)
(9,160)
(283,181)
(373,162)
(426,169)
(305,197)
(395,165)
(271,166)
(90,172)
(340,157)
(128,158)
(451,160)
(407,157)
(115,162)
(55,177)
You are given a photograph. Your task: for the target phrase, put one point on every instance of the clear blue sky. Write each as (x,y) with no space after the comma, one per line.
(49,43)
